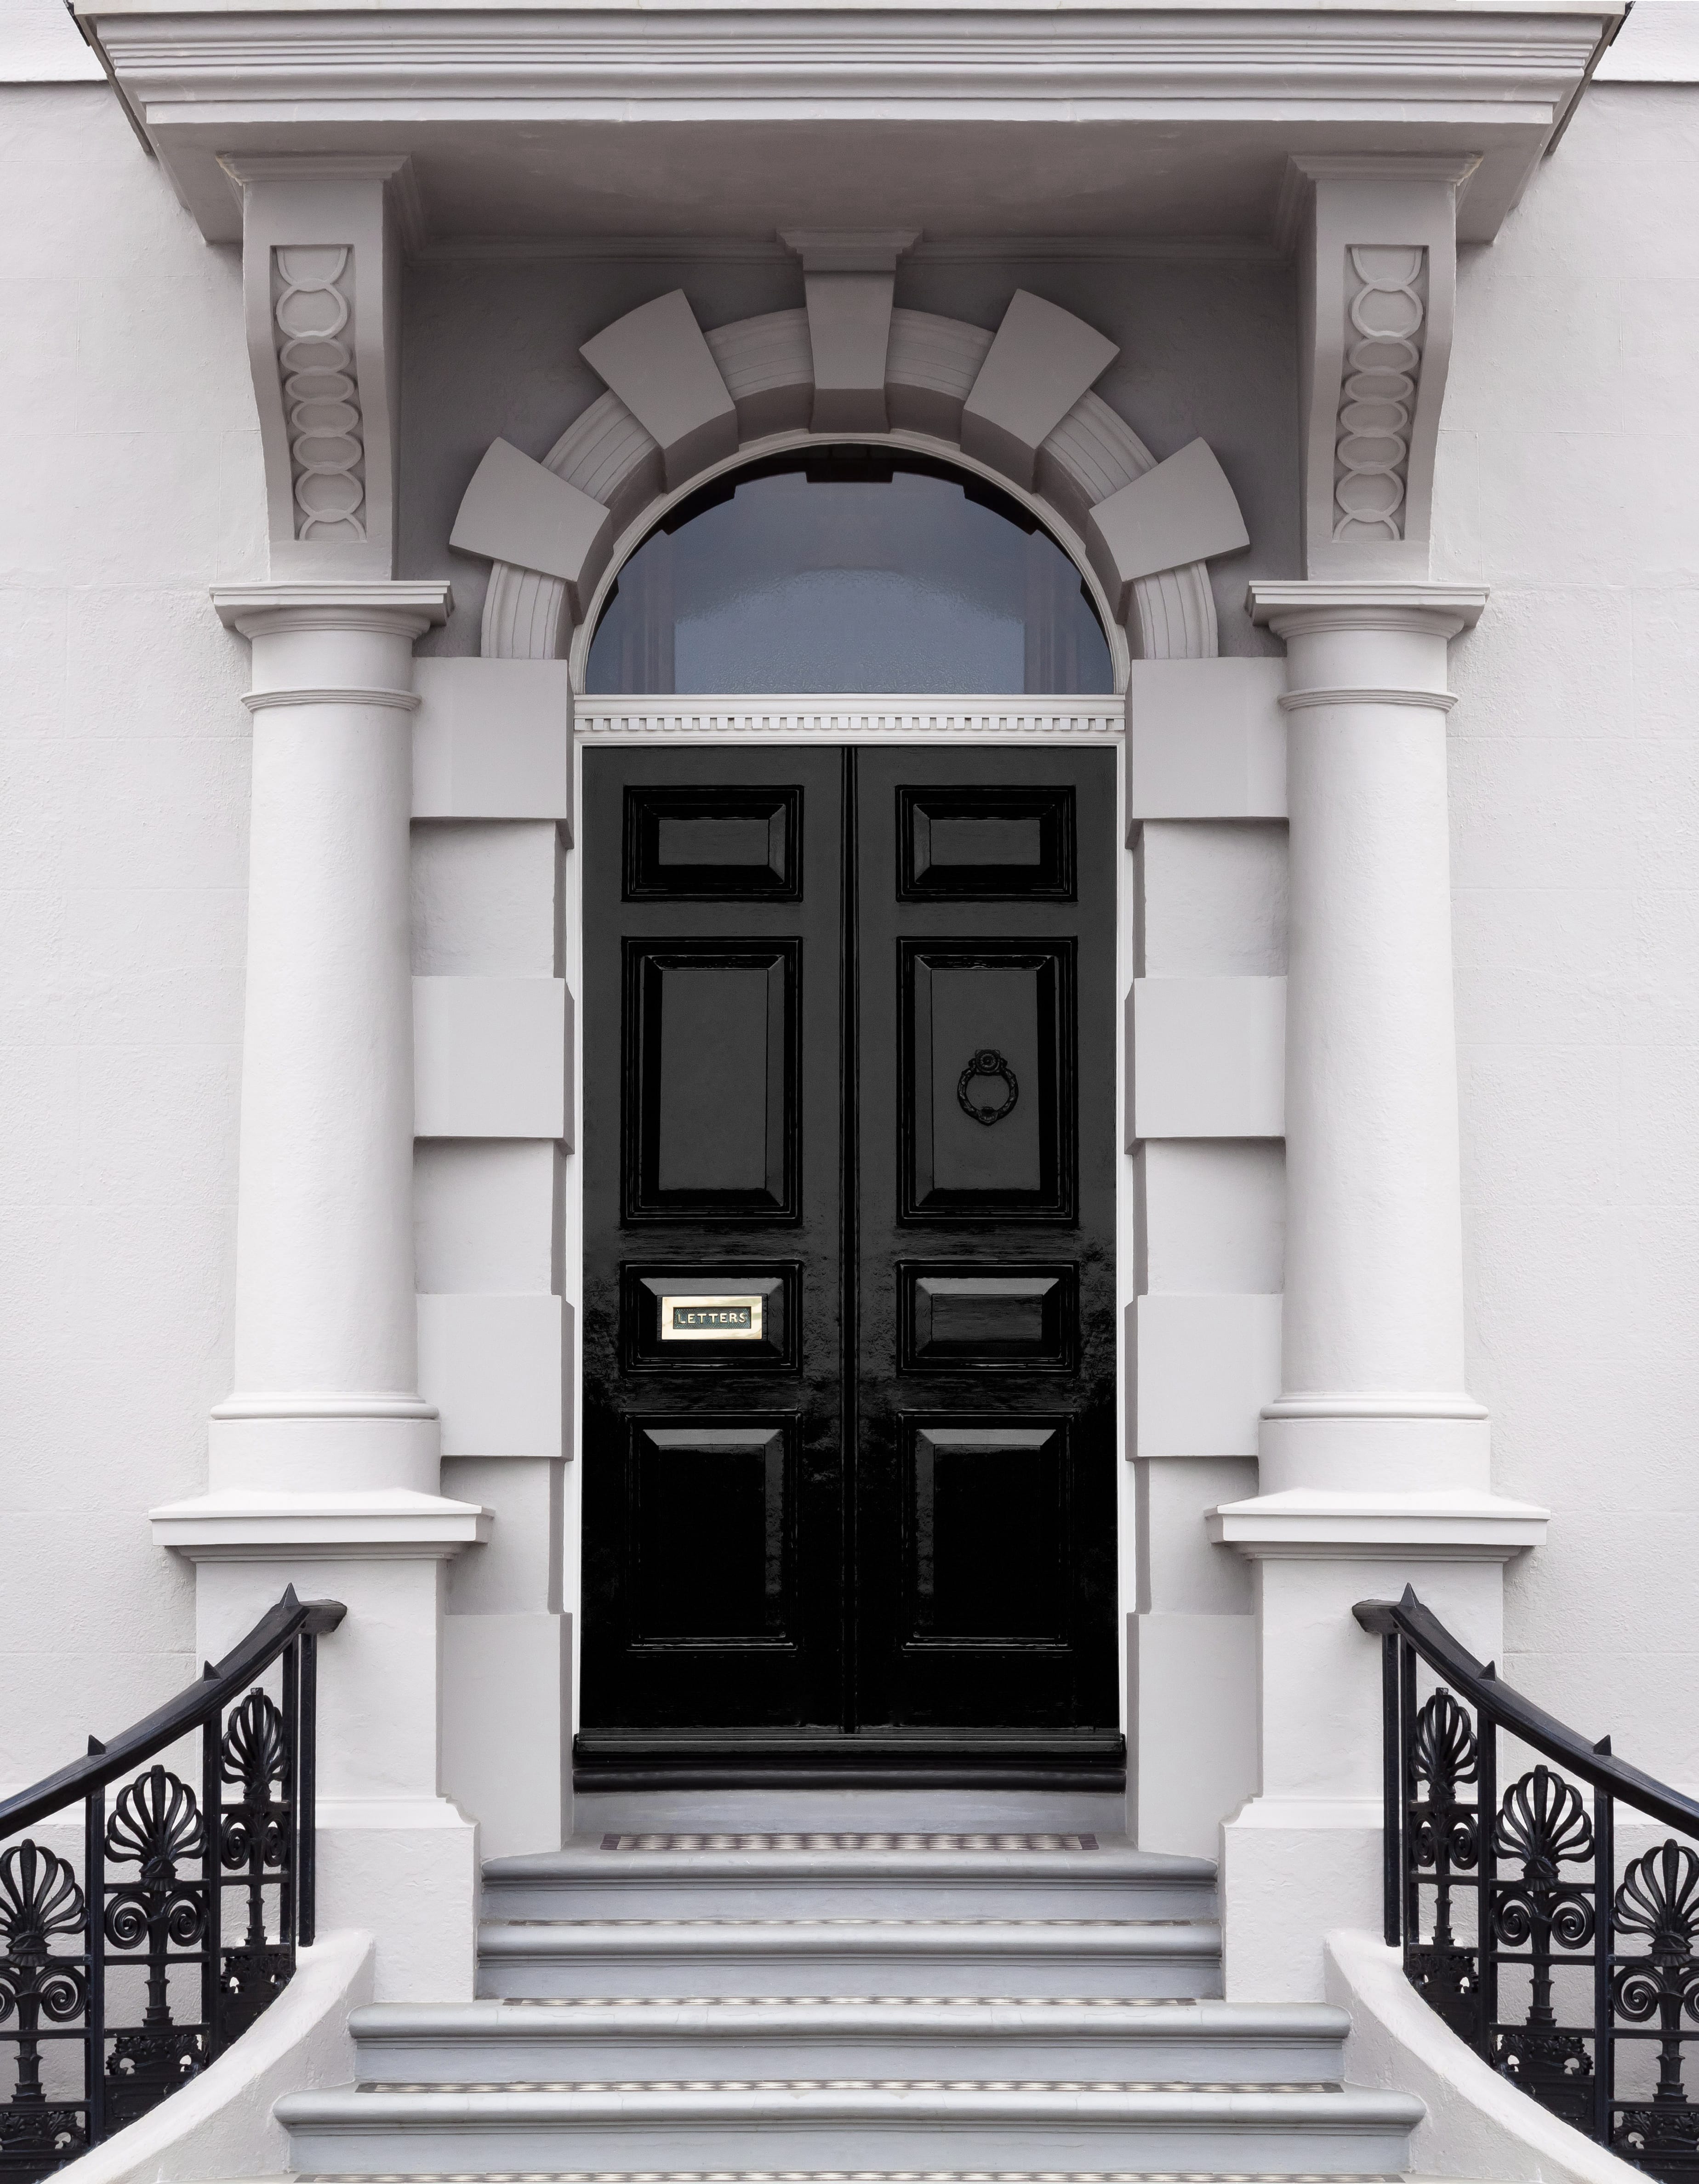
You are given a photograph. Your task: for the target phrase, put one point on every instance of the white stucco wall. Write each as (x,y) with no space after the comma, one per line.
(131,481)
(1566,483)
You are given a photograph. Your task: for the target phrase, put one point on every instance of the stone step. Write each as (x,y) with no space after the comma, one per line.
(654,2125)
(766,2038)
(850,1957)
(800,1881)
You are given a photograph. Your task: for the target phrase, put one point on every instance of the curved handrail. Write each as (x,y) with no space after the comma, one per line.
(1480,1684)
(220,1682)
(1570,1973)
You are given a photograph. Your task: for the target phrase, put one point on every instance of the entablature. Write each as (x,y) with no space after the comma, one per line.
(546,121)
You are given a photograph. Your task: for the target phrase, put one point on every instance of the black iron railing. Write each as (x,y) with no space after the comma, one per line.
(117,1982)
(1563,1956)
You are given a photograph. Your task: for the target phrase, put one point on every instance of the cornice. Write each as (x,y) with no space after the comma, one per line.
(1259,60)
(1449,82)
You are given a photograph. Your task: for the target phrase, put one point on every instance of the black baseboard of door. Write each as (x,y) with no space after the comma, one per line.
(631,1760)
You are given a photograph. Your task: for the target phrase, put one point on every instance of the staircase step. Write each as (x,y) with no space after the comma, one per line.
(888,1880)
(893,2037)
(771,2125)
(850,1957)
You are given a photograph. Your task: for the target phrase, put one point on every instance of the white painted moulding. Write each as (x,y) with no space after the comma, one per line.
(1040,362)
(1205,1364)
(496,1366)
(1207,1058)
(1206,739)
(1477,2124)
(656,360)
(1183,511)
(493,1058)
(852,719)
(492,739)
(221,2123)
(1453,1525)
(260,1526)
(515,510)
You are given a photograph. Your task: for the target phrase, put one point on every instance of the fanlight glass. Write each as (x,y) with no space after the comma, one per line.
(850,568)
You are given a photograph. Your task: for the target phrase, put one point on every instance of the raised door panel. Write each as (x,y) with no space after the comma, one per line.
(987,1073)
(712,1071)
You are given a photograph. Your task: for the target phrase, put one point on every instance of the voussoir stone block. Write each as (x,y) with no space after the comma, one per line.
(515,510)
(658,361)
(1183,511)
(1040,362)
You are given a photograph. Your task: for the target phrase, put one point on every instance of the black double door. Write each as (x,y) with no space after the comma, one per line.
(848,1329)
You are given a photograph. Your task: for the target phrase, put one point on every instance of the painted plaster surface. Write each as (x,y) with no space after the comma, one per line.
(132,482)
(1566,483)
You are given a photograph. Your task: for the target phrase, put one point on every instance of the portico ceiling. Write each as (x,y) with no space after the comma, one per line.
(704,122)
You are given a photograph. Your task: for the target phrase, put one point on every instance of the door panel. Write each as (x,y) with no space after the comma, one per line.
(712,1128)
(711,1061)
(987,1080)
(849,1178)
(986,1240)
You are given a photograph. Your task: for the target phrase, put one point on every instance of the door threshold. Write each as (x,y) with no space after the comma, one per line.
(637,1759)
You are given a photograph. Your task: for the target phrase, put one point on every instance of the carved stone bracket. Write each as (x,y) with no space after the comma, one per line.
(1376,238)
(319,283)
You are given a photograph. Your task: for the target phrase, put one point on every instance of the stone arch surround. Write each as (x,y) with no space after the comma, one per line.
(767,365)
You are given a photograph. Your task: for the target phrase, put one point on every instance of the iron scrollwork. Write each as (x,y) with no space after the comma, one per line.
(253,1841)
(1445,1842)
(102,2031)
(1659,1898)
(1543,1826)
(1577,1983)
(39,1899)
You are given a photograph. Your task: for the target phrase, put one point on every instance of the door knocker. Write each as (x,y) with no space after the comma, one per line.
(987,1062)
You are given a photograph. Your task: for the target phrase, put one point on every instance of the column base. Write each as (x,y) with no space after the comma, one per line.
(339,1444)
(1384,1444)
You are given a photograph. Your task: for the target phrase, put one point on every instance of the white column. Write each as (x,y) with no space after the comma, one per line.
(1373,1379)
(1374,1466)
(325,1469)
(327,1358)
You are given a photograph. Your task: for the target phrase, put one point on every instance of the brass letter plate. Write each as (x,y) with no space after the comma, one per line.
(711,1318)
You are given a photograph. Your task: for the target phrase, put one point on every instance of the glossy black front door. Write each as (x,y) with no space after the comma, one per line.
(849,1393)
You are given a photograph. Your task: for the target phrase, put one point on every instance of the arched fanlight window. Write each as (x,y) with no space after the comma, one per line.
(850,568)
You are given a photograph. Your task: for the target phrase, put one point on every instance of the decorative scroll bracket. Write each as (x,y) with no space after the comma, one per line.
(319,263)
(1376,241)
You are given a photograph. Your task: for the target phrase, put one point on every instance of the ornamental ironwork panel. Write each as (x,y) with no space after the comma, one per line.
(165,1912)
(1564,1960)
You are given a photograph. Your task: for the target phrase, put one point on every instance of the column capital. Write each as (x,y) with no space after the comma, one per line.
(397,610)
(1426,609)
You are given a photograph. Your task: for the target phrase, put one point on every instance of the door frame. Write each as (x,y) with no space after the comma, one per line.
(953,723)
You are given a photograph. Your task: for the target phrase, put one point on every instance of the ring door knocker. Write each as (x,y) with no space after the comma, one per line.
(987,1062)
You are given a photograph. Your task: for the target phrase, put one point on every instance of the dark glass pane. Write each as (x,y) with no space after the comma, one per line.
(850,569)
